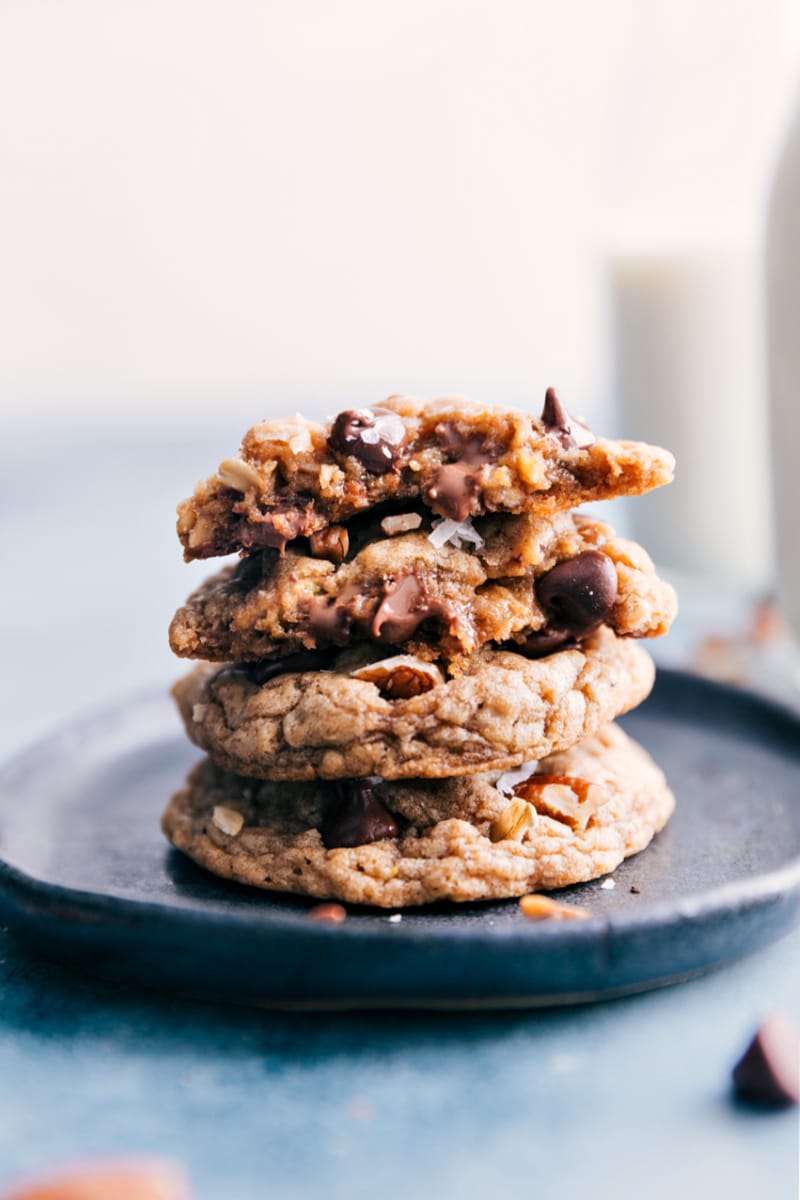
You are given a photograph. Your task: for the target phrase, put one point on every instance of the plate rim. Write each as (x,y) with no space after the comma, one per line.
(25,894)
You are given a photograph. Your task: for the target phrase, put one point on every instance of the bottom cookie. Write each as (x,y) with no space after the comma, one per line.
(576,816)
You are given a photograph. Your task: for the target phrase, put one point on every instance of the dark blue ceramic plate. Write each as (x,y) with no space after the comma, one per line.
(86,875)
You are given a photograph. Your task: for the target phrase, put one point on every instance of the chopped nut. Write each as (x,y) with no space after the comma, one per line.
(572,801)
(531,470)
(514,820)
(238,475)
(199,712)
(331,543)
(401,523)
(329,914)
(401,677)
(227,819)
(542,908)
(499,477)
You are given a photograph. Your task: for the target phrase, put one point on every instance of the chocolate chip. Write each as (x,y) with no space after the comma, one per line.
(332,543)
(541,643)
(571,432)
(274,529)
(579,593)
(470,448)
(304,660)
(403,609)
(453,490)
(375,436)
(768,1072)
(356,816)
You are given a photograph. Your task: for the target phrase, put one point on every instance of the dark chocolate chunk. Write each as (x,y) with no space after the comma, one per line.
(453,489)
(356,816)
(304,660)
(541,643)
(571,432)
(579,593)
(768,1072)
(375,436)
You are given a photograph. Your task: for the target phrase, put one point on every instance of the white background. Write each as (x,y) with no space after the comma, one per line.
(229,209)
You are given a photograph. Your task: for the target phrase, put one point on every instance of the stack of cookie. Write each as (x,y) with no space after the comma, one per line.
(410,677)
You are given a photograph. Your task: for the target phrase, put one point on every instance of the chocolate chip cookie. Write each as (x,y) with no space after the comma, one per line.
(296,478)
(567,819)
(537,582)
(353,719)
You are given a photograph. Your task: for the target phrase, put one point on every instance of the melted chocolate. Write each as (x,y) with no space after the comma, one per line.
(403,609)
(453,490)
(304,660)
(356,816)
(375,436)
(542,643)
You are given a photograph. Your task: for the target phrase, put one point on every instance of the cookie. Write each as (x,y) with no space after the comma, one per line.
(519,576)
(296,478)
(576,816)
(500,711)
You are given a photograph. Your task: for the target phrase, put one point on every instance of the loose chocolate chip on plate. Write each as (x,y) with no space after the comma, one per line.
(579,593)
(768,1072)
(357,816)
(375,436)
(571,432)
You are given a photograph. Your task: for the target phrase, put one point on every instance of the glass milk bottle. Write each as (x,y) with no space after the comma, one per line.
(783,312)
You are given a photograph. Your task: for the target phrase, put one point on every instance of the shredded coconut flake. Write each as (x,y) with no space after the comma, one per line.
(395,918)
(445,530)
(608,885)
(509,779)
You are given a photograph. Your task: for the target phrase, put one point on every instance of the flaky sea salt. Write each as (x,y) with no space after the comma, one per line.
(444,530)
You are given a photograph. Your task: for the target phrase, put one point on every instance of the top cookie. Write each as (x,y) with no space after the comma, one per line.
(296,478)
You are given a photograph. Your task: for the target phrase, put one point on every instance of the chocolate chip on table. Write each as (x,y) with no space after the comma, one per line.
(571,432)
(375,436)
(579,593)
(356,816)
(304,660)
(768,1073)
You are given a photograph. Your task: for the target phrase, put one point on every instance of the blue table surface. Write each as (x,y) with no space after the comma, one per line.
(628,1098)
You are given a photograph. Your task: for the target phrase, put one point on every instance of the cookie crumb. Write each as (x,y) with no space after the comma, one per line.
(227,819)
(636,890)
(395,918)
(542,908)
(328,914)
(608,885)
